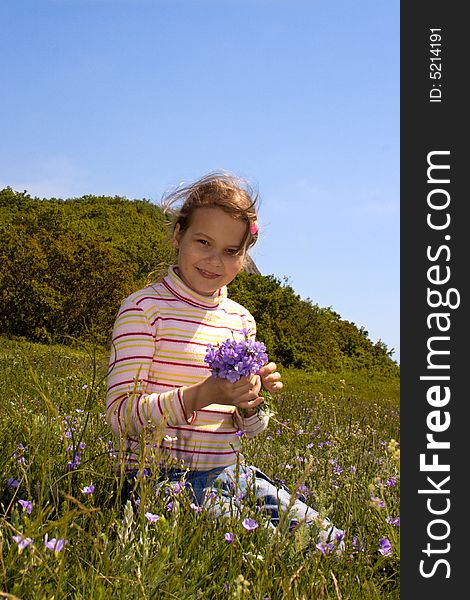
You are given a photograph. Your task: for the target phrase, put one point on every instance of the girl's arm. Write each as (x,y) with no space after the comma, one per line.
(129,406)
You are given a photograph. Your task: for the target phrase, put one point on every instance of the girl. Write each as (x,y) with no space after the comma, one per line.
(159,385)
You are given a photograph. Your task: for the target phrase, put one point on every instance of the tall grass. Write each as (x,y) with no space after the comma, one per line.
(334,439)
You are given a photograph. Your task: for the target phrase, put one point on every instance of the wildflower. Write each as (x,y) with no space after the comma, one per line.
(240,433)
(232,360)
(85,386)
(54,544)
(395,522)
(22,542)
(152,518)
(385,547)
(88,489)
(196,508)
(177,488)
(339,537)
(13,483)
(73,464)
(377,502)
(27,505)
(229,537)
(249,524)
(355,544)
(169,438)
(323,547)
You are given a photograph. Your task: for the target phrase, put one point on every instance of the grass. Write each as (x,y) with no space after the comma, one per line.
(336,434)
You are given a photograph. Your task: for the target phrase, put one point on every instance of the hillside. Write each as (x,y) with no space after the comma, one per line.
(67,265)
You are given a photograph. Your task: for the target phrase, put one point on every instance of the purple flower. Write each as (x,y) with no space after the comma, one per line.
(377,502)
(339,537)
(249,524)
(323,547)
(196,508)
(88,489)
(152,518)
(229,537)
(73,464)
(54,544)
(240,433)
(13,483)
(385,547)
(177,488)
(232,360)
(27,505)
(22,541)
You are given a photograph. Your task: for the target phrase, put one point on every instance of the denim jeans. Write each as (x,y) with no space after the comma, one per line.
(223,492)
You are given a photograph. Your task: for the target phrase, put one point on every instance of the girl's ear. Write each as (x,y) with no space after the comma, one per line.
(175,238)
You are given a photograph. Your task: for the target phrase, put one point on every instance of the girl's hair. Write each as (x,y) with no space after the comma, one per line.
(217,189)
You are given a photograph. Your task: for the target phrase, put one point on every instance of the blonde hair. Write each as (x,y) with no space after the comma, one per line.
(218,189)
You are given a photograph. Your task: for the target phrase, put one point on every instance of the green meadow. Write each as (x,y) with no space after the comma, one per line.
(65,533)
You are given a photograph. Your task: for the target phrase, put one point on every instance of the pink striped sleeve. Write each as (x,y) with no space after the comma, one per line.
(252,426)
(129,405)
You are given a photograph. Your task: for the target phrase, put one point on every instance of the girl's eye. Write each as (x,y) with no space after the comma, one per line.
(203,242)
(232,251)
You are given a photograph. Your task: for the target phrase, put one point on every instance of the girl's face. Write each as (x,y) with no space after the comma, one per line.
(208,251)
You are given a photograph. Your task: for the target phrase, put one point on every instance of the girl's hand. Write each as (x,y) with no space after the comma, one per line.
(270,378)
(244,393)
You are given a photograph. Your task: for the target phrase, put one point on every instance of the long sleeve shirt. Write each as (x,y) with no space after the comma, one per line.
(158,346)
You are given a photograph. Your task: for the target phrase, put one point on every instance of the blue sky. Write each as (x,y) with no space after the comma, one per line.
(130,97)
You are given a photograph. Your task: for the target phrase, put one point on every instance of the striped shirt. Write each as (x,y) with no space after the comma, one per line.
(159,342)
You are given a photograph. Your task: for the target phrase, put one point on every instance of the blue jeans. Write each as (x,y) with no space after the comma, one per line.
(223,492)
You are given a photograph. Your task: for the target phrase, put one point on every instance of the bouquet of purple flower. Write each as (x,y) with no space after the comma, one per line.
(234,359)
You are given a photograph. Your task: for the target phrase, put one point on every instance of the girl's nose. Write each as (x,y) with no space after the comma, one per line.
(215,257)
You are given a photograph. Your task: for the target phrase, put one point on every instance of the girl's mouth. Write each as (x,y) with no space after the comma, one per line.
(208,274)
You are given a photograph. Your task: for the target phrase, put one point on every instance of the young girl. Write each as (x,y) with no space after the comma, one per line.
(159,384)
